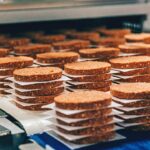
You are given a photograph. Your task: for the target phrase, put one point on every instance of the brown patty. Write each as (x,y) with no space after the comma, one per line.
(2,92)
(141,78)
(140,71)
(142,103)
(110,41)
(74,45)
(100,121)
(131,90)
(5,80)
(139,120)
(4,52)
(92,78)
(92,85)
(37,107)
(15,62)
(103,89)
(114,32)
(99,52)
(37,74)
(4,86)
(6,72)
(131,62)
(90,130)
(77,100)
(50,38)
(85,35)
(140,37)
(40,85)
(135,48)
(89,113)
(143,111)
(58,57)
(38,99)
(33,48)
(17,42)
(87,68)
(44,92)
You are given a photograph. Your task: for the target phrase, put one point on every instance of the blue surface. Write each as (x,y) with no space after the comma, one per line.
(134,142)
(136,145)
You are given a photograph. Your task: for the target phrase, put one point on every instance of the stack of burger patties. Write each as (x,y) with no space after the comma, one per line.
(91,118)
(109,41)
(131,69)
(56,58)
(138,37)
(113,32)
(48,39)
(71,45)
(134,98)
(100,53)
(35,87)
(32,49)
(12,42)
(134,49)
(7,66)
(88,75)
(111,37)
(90,36)
(7,44)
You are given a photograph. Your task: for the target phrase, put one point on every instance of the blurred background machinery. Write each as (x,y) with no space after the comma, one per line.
(118,13)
